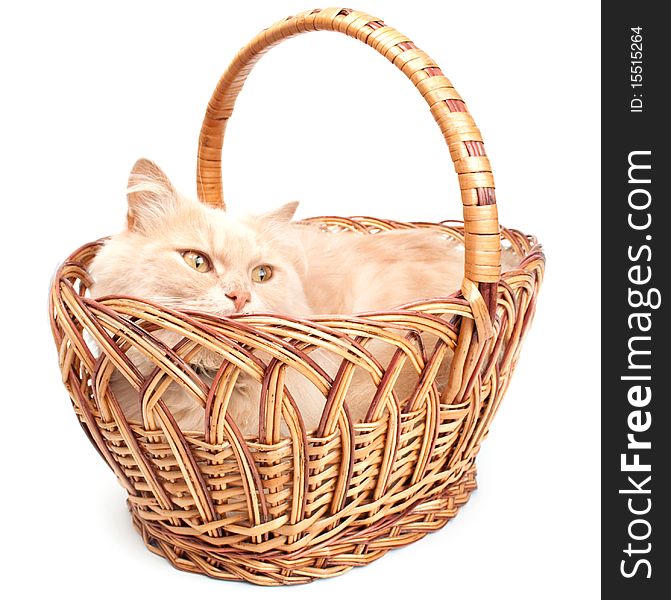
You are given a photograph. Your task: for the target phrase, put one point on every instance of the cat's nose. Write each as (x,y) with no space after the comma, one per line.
(239,297)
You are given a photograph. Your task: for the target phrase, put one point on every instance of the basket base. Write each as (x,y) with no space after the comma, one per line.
(355,549)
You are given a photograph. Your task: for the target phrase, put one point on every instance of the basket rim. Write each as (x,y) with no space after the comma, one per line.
(534,251)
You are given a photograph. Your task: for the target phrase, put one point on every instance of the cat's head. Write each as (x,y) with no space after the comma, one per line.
(185,255)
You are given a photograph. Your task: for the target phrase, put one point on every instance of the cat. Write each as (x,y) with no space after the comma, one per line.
(182,254)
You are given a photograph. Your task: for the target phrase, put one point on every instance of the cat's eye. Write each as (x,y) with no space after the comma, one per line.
(197,260)
(262,273)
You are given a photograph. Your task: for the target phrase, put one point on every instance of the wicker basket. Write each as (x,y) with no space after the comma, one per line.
(279,510)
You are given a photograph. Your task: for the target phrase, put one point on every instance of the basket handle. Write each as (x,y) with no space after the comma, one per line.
(481,226)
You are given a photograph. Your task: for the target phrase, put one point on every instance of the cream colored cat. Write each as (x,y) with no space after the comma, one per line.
(184,255)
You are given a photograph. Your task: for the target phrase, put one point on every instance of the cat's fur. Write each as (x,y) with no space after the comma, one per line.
(314,272)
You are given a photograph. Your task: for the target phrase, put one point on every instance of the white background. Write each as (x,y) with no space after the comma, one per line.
(89,89)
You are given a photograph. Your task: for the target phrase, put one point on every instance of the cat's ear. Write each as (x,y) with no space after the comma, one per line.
(150,195)
(283,214)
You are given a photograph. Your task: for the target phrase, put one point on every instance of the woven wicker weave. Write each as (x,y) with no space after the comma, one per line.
(278,510)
